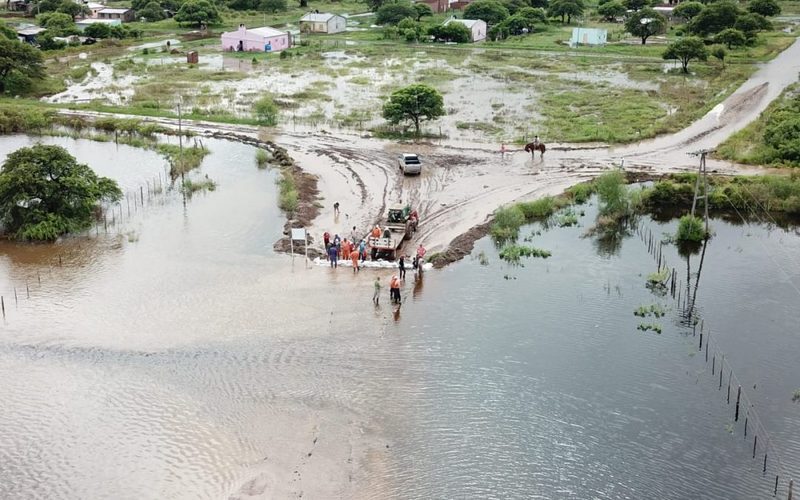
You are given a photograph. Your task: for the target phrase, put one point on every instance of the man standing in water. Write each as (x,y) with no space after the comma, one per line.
(354,260)
(333,255)
(401,264)
(377,295)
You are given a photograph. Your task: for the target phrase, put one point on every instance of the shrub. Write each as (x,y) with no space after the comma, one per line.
(266,111)
(612,194)
(690,228)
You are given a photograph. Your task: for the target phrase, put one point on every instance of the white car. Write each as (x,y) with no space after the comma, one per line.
(409,164)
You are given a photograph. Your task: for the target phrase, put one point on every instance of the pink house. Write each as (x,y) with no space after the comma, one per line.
(264,39)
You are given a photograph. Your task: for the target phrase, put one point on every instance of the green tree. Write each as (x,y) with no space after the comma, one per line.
(17,58)
(517,25)
(783,135)
(45,193)
(766,8)
(410,29)
(266,111)
(198,12)
(533,14)
(750,24)
(152,12)
(646,23)
(686,49)
(688,10)
(714,18)
(611,10)
(97,30)
(637,5)
(731,38)
(57,23)
(451,32)
(566,8)
(272,5)
(73,9)
(719,54)
(393,13)
(47,42)
(423,10)
(491,11)
(6,32)
(540,4)
(414,103)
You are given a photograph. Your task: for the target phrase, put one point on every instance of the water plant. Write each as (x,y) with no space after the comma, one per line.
(658,278)
(653,309)
(796,396)
(507,221)
(482,258)
(262,158)
(580,193)
(190,186)
(513,253)
(567,219)
(691,229)
(649,326)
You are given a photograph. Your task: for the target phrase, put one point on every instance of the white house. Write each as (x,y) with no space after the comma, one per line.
(322,23)
(476,26)
(264,39)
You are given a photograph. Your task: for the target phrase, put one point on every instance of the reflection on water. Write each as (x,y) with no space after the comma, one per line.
(191,362)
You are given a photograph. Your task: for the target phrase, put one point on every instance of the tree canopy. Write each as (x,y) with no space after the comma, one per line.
(685,49)
(423,10)
(45,193)
(151,12)
(6,32)
(20,59)
(731,37)
(451,32)
(414,103)
(766,8)
(393,13)
(57,23)
(714,18)
(687,10)
(610,11)
(646,23)
(198,12)
(491,11)
(782,132)
(566,8)
(637,5)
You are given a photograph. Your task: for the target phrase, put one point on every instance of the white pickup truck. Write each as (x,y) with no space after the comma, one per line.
(409,164)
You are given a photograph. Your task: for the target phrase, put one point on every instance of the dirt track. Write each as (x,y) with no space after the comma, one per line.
(461,186)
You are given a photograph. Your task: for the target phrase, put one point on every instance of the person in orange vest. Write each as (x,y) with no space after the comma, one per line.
(394,289)
(354,259)
(376,233)
(345,249)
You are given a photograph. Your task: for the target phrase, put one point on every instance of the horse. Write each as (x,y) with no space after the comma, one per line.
(532,148)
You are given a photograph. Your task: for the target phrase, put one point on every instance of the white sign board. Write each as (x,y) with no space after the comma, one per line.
(299,234)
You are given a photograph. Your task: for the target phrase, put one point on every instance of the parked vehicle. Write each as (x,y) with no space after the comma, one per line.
(409,164)
(398,225)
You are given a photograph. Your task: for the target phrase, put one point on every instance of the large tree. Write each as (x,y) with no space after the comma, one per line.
(566,8)
(57,23)
(714,18)
(686,49)
(73,9)
(21,58)
(491,11)
(766,8)
(45,193)
(151,12)
(731,37)
(393,13)
(423,10)
(611,10)
(198,12)
(646,23)
(451,32)
(687,10)
(414,103)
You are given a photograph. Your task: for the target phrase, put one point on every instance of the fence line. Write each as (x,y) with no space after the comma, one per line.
(763,444)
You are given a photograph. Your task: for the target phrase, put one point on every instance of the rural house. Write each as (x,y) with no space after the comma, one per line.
(94,9)
(476,27)
(28,33)
(322,23)
(124,15)
(264,39)
(82,24)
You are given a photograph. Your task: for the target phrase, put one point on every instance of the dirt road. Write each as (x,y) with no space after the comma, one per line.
(461,186)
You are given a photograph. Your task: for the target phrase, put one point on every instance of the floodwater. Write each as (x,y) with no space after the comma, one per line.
(190,361)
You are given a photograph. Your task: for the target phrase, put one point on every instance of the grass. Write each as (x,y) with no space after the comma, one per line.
(182,162)
(263,157)
(691,229)
(190,186)
(288,197)
(650,310)
(513,253)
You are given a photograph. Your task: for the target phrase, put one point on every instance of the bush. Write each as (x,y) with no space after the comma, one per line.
(393,13)
(507,221)
(580,193)
(539,209)
(690,229)
(266,111)
(612,194)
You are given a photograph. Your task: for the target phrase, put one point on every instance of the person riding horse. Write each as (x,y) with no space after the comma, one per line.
(534,146)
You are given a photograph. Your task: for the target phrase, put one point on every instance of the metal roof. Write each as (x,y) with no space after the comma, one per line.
(266,31)
(114,11)
(469,23)
(318,18)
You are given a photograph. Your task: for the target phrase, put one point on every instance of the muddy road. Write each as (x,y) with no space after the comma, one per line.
(461,185)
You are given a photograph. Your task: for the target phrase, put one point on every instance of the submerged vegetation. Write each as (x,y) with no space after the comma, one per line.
(513,253)
(691,229)
(508,220)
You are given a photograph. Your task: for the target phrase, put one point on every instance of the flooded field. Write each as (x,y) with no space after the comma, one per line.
(190,361)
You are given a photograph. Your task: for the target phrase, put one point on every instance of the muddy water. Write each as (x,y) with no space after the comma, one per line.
(190,361)
(542,386)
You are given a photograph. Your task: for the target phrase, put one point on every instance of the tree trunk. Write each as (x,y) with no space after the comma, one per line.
(685,66)
(416,126)
(569,18)
(303,3)
(644,40)
(562,18)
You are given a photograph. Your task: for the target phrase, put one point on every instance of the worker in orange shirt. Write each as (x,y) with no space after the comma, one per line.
(394,289)
(376,233)
(354,259)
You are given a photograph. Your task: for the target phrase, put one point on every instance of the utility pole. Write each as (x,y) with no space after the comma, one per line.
(701,172)
(180,146)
